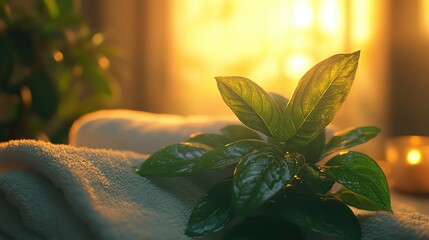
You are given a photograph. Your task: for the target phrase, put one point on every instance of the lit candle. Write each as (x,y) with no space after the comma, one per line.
(408,157)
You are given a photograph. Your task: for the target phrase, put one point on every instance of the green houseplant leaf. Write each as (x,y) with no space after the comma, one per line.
(174,160)
(276,190)
(212,211)
(318,96)
(327,216)
(355,200)
(230,154)
(209,139)
(350,138)
(260,175)
(239,132)
(252,105)
(360,174)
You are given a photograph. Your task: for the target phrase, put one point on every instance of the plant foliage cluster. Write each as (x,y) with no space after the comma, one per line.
(279,186)
(52,68)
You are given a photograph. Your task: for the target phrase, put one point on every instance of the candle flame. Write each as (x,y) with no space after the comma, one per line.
(414,157)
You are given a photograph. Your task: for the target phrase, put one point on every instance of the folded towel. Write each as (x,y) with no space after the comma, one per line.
(61,192)
(52,191)
(139,131)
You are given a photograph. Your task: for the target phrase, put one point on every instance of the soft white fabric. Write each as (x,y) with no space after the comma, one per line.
(138,131)
(404,224)
(62,192)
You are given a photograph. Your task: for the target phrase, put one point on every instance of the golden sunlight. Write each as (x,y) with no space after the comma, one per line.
(271,42)
(414,157)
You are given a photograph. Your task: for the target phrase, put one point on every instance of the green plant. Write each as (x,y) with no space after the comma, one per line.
(52,69)
(279,185)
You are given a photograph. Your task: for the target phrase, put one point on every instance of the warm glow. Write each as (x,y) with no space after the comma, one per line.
(414,157)
(103,62)
(97,39)
(58,56)
(272,42)
(330,16)
(296,65)
(361,20)
(424,17)
(302,15)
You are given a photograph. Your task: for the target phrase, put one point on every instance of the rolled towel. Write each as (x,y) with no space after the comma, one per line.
(139,131)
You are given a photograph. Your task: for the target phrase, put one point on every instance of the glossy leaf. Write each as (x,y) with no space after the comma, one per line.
(312,151)
(264,227)
(327,216)
(360,174)
(252,105)
(318,96)
(174,160)
(280,100)
(260,175)
(230,154)
(354,200)
(209,139)
(239,132)
(313,181)
(212,211)
(350,138)
(44,95)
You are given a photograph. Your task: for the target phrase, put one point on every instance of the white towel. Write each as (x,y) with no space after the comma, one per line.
(61,192)
(139,131)
(404,224)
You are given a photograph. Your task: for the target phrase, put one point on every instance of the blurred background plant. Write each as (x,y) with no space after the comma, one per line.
(53,69)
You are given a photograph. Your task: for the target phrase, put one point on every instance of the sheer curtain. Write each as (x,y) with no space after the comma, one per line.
(138,29)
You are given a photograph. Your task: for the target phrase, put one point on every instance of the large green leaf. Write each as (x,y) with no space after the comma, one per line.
(230,154)
(360,174)
(260,175)
(355,200)
(174,160)
(327,216)
(252,105)
(318,96)
(264,227)
(212,211)
(350,138)
(311,151)
(239,132)
(209,139)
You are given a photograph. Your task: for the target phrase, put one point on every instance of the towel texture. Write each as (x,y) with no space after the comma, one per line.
(61,192)
(404,224)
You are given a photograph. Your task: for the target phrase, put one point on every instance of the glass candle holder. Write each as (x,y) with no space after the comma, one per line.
(408,157)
